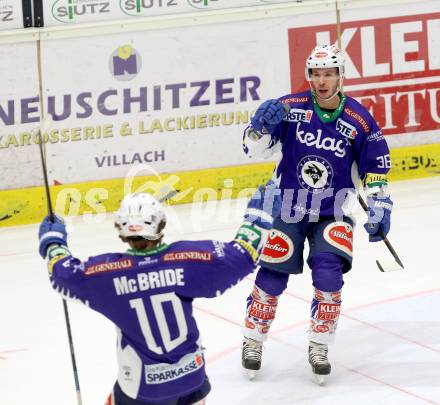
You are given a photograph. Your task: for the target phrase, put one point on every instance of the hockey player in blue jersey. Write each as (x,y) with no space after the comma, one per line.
(147,292)
(328,144)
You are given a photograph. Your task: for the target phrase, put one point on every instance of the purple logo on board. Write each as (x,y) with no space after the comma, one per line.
(125,63)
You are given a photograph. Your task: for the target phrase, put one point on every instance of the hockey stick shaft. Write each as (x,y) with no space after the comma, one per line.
(44,126)
(46,181)
(167,196)
(382,235)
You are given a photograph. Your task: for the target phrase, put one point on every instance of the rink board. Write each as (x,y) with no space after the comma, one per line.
(28,205)
(122,109)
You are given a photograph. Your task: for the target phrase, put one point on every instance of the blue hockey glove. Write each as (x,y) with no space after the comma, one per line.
(51,233)
(264,206)
(379,217)
(268,116)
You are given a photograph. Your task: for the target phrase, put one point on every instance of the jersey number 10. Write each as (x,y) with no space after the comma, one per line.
(157,306)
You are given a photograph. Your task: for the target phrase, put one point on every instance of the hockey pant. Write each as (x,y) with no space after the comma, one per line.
(327,270)
(198,397)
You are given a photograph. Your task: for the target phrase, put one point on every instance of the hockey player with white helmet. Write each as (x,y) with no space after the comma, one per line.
(147,292)
(326,57)
(142,215)
(328,143)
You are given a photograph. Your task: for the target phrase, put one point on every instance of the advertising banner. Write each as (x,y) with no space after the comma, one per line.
(172,100)
(60,12)
(11,14)
(392,66)
(19,115)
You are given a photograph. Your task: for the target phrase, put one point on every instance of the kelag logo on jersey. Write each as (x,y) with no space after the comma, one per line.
(299,115)
(125,63)
(314,174)
(67,11)
(346,129)
(318,141)
(142,7)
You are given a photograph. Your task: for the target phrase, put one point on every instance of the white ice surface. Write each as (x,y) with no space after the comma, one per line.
(387,349)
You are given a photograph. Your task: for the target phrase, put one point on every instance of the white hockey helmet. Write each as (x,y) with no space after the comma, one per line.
(325,56)
(140,214)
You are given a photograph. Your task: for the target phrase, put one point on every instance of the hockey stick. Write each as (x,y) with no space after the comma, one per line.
(167,196)
(45,125)
(386,265)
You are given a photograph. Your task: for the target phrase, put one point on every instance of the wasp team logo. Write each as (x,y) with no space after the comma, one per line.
(315,174)
(70,11)
(144,7)
(125,63)
(279,247)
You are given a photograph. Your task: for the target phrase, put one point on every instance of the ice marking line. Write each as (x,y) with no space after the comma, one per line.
(395,387)
(390,385)
(398,298)
(218,356)
(217,315)
(343,314)
(224,353)
(10,351)
(368,304)
(391,333)
(16,254)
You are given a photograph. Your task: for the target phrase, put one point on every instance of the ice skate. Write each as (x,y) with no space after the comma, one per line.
(251,356)
(319,362)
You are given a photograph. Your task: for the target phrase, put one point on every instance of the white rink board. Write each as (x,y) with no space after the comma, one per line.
(19,165)
(11,14)
(240,64)
(257,52)
(61,12)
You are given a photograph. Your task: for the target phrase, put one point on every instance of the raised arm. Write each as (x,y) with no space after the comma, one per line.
(262,137)
(236,259)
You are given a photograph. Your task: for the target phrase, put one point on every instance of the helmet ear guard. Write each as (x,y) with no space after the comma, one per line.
(140,216)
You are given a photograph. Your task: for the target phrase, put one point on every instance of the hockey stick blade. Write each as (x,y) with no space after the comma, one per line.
(386,266)
(389,266)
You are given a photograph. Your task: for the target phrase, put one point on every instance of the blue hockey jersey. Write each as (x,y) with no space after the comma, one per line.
(324,155)
(148,296)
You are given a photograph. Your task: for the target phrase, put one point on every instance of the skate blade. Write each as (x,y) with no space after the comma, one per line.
(318,379)
(251,374)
